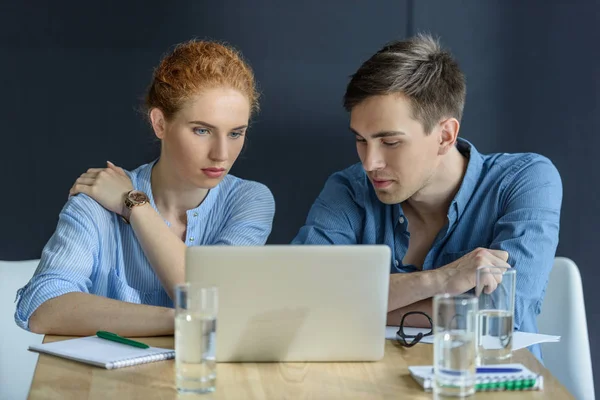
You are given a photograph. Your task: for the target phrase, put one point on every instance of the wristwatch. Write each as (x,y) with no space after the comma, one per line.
(134,198)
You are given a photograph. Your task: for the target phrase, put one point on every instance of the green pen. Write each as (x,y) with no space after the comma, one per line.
(116,338)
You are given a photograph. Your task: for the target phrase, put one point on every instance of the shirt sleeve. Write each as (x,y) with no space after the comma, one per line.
(250,220)
(67,261)
(335,217)
(528,230)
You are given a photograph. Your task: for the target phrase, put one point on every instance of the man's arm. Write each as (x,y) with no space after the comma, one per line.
(407,289)
(526,235)
(334,218)
(83,314)
(455,278)
(418,321)
(528,230)
(414,291)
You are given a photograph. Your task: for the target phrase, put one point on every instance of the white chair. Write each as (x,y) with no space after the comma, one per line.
(17,364)
(563,313)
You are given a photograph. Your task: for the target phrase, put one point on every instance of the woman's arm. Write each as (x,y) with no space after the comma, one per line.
(57,299)
(249,223)
(249,220)
(163,249)
(83,314)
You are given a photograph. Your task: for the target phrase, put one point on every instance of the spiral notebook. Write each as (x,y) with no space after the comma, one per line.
(103,353)
(486,382)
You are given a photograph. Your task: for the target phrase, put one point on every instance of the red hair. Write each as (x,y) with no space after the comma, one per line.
(195,66)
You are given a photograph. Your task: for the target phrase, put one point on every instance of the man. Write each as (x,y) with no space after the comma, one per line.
(443,208)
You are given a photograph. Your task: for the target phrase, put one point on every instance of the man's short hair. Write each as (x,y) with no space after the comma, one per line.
(417,68)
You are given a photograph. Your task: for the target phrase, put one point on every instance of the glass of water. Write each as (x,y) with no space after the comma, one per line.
(195,336)
(496,289)
(454,351)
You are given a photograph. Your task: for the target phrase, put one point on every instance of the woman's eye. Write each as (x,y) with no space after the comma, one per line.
(200,131)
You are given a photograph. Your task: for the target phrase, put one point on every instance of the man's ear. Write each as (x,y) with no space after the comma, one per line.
(157,118)
(448,134)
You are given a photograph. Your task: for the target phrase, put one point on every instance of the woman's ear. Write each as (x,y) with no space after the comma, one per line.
(157,118)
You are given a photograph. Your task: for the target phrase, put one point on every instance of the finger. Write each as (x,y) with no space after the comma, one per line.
(85,181)
(115,168)
(495,272)
(490,283)
(89,175)
(96,170)
(493,261)
(79,188)
(501,254)
(498,275)
(486,281)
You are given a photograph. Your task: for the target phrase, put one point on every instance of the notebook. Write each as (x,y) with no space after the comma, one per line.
(486,382)
(103,353)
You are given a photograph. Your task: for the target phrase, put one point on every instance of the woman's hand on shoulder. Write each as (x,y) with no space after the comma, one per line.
(108,186)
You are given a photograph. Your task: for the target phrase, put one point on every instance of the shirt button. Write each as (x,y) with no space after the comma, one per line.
(195,214)
(192,239)
(401,220)
(396,263)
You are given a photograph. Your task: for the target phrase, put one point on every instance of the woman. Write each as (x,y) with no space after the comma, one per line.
(119,247)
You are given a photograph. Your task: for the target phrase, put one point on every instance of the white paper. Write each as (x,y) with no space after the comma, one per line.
(525,339)
(520,339)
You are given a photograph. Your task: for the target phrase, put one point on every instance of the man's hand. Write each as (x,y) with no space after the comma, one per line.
(108,186)
(460,276)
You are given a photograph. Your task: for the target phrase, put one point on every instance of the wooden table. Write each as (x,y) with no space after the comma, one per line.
(58,378)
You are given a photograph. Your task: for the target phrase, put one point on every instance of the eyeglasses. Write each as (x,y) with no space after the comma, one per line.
(402,337)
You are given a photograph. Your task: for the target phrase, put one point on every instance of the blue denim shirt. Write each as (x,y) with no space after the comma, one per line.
(509,202)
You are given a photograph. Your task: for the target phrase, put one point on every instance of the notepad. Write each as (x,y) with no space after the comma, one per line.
(103,353)
(485,382)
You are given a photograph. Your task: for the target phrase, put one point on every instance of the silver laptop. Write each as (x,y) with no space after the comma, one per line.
(296,303)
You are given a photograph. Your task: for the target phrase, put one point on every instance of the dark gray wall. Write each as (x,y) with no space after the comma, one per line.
(72,77)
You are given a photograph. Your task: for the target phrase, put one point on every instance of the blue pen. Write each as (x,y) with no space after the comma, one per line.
(497,370)
(484,370)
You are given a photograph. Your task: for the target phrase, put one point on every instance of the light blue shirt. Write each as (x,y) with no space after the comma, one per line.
(509,202)
(94,251)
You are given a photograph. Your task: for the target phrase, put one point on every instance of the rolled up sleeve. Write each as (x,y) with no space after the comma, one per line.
(67,261)
(529,231)
(334,218)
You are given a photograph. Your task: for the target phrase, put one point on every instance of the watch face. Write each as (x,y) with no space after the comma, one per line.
(138,197)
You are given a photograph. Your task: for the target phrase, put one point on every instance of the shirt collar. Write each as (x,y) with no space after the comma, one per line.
(144,184)
(469,182)
(467,187)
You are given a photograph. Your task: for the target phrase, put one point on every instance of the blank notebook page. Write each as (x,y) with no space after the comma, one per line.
(103,353)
